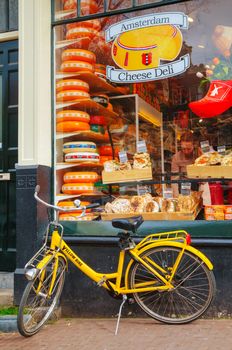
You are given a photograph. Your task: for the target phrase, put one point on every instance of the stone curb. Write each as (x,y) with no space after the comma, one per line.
(8,323)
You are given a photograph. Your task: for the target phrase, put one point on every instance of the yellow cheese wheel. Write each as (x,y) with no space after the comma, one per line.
(71,95)
(144,48)
(80,176)
(76,66)
(80,32)
(79,146)
(72,84)
(77,188)
(72,126)
(92,23)
(72,115)
(82,157)
(78,55)
(75,217)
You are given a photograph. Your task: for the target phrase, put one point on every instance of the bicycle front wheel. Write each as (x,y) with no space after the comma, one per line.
(194,286)
(39,299)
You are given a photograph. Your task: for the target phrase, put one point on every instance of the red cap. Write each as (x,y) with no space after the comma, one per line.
(217,100)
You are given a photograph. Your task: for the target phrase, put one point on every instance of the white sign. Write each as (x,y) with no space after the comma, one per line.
(137,76)
(174,18)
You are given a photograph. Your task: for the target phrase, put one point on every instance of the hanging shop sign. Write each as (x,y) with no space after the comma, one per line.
(141,46)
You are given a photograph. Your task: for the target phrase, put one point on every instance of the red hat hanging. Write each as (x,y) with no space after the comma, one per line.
(217,100)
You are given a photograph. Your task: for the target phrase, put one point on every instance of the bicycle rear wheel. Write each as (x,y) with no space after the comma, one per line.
(194,286)
(38,302)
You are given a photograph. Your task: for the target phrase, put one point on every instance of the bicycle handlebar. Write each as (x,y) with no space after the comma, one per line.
(57,208)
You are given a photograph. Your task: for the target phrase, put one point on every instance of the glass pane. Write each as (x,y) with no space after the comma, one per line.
(65,9)
(118,4)
(3,16)
(136,76)
(13,14)
(144,2)
(1,111)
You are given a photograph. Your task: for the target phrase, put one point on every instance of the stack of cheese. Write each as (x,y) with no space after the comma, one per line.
(71,120)
(79,182)
(80,152)
(74,216)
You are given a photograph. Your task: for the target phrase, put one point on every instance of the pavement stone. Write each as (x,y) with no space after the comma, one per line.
(98,334)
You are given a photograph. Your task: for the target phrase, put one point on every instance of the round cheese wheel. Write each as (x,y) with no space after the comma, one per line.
(71,205)
(100,68)
(92,23)
(97,120)
(77,188)
(81,176)
(72,115)
(76,66)
(79,146)
(72,126)
(78,55)
(82,157)
(74,217)
(72,84)
(71,95)
(97,128)
(81,32)
(106,150)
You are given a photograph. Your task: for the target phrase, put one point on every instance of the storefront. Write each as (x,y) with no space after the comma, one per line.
(133,113)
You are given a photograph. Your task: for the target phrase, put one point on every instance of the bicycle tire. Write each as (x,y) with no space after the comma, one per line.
(35,308)
(194,286)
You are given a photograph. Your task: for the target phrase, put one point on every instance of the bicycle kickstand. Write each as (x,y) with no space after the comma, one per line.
(124,297)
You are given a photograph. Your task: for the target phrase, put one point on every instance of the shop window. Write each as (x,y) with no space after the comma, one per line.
(138,112)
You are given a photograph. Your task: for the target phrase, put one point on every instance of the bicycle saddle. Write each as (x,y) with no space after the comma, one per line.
(130,224)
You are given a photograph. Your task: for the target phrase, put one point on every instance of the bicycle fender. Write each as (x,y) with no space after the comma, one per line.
(47,258)
(189,248)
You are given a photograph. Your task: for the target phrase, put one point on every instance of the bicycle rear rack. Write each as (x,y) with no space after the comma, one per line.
(180,236)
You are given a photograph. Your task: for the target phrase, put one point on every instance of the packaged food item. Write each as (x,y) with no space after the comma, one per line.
(215,216)
(72,84)
(228,209)
(80,176)
(78,55)
(71,95)
(82,157)
(227,159)
(111,165)
(119,205)
(141,161)
(202,160)
(79,146)
(97,128)
(72,115)
(106,150)
(228,216)
(72,126)
(102,99)
(214,209)
(97,120)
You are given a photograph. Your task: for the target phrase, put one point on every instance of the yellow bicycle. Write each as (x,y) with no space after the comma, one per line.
(168,278)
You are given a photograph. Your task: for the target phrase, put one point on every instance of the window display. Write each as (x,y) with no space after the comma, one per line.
(139,96)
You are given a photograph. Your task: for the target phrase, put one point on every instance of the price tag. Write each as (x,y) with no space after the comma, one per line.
(143,190)
(221,150)
(123,157)
(185,189)
(205,147)
(168,193)
(141,147)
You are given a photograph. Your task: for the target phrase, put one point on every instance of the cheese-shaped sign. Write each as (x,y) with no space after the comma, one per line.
(145,48)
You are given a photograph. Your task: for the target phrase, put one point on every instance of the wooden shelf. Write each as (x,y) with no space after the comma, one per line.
(96,84)
(90,107)
(83,136)
(61,166)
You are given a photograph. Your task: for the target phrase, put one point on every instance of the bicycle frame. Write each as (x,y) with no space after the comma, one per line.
(105,279)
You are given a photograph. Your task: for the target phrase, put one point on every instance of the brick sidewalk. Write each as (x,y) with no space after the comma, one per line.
(98,334)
